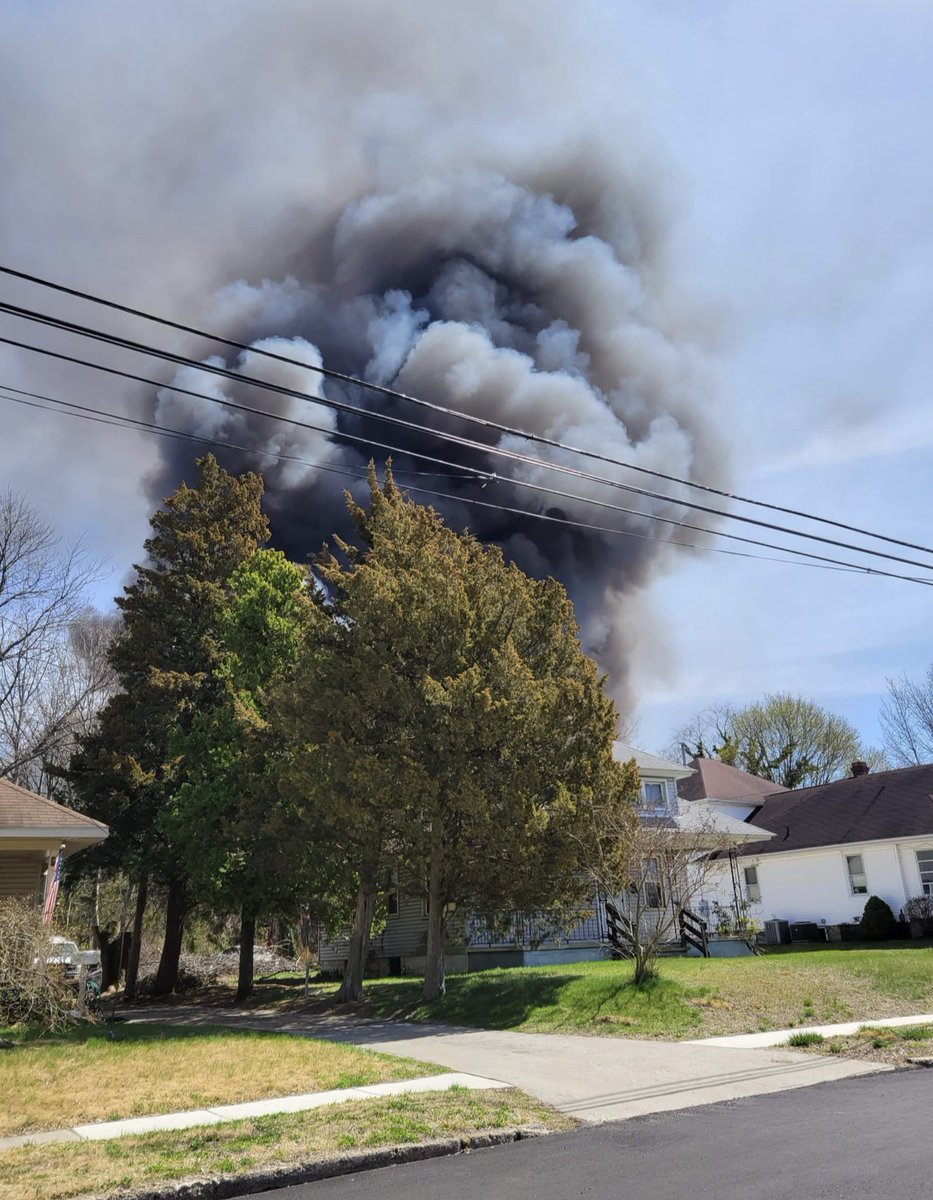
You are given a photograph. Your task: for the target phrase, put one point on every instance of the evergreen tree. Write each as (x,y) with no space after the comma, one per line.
(238,837)
(168,658)
(447,717)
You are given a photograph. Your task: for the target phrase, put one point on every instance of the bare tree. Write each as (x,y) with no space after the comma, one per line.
(651,868)
(53,670)
(907,719)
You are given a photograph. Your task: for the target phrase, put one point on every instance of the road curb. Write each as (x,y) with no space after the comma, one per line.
(224,1187)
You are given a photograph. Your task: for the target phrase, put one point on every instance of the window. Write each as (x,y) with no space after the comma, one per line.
(925,866)
(857,881)
(653,797)
(652,894)
(392,904)
(752,888)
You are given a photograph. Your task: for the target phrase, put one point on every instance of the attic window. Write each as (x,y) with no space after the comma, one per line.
(857,879)
(653,797)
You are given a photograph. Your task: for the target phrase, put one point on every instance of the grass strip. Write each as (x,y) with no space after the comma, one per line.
(62,1172)
(102,1073)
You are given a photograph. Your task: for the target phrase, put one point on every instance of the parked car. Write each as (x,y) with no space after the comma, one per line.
(65,953)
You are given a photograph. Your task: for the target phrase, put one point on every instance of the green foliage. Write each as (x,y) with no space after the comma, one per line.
(236,836)
(785,738)
(444,716)
(878,923)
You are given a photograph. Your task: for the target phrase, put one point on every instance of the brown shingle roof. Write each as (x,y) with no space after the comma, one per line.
(21,809)
(867,808)
(715,780)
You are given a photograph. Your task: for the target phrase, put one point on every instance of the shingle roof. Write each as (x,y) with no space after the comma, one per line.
(866,808)
(715,780)
(21,809)
(649,762)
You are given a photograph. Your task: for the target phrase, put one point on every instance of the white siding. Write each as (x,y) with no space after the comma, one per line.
(813,885)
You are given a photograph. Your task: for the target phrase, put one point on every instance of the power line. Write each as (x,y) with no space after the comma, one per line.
(478,473)
(484,422)
(469,443)
(119,421)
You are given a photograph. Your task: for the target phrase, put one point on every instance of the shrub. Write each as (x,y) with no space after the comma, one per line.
(806,1039)
(918,908)
(878,923)
(32,991)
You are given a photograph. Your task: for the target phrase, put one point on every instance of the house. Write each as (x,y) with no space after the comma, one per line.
(32,830)
(472,945)
(829,847)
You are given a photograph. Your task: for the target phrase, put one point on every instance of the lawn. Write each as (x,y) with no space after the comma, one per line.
(693,997)
(104,1072)
(55,1172)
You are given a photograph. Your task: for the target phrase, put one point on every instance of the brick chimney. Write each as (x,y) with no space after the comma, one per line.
(860,768)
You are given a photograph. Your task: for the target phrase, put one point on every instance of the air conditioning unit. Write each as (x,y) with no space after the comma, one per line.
(776,933)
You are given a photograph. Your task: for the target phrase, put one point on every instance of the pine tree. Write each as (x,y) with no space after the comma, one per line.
(167,658)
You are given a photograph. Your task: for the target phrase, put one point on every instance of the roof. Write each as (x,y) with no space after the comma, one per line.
(715,780)
(865,808)
(22,811)
(701,817)
(649,763)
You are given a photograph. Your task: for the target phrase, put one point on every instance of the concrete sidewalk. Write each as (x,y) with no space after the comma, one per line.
(591,1078)
(780,1037)
(105,1130)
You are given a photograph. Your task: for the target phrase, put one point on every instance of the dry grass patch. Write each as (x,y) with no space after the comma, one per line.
(898,1046)
(61,1172)
(84,1076)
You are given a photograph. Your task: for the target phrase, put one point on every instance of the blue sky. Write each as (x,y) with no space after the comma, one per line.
(794,140)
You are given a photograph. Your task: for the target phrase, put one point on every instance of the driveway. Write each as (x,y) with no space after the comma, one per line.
(591,1078)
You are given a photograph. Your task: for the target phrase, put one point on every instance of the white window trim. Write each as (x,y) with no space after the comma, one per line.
(748,886)
(917,852)
(648,806)
(846,855)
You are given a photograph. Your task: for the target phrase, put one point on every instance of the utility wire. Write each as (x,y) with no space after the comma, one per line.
(478,473)
(395,394)
(469,443)
(118,421)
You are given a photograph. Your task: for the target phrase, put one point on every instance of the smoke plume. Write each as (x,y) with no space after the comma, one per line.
(457,201)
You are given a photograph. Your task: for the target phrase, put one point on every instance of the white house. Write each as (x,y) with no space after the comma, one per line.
(829,847)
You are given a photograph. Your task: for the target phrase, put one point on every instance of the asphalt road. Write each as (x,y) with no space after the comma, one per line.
(858,1139)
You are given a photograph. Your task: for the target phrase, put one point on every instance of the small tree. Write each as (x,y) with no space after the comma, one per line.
(652,868)
(907,719)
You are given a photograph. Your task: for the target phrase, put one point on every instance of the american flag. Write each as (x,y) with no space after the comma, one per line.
(53,889)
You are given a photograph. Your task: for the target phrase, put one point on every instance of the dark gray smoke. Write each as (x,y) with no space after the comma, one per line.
(453,200)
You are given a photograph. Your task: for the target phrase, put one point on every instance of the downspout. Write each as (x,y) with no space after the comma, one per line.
(900,871)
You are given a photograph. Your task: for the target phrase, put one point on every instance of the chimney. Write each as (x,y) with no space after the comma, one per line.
(860,768)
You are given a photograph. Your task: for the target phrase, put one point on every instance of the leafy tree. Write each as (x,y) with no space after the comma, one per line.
(784,738)
(907,719)
(168,660)
(450,716)
(238,837)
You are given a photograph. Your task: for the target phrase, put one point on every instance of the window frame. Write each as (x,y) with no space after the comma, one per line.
(752,886)
(926,885)
(854,888)
(659,807)
(653,885)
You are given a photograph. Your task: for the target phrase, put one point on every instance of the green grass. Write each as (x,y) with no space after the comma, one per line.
(58,1172)
(692,997)
(101,1073)
(806,1039)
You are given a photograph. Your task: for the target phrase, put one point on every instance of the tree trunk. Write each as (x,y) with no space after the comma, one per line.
(434,984)
(103,943)
(132,962)
(244,986)
(351,988)
(166,978)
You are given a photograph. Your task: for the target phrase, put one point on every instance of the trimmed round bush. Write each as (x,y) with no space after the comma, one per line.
(878,922)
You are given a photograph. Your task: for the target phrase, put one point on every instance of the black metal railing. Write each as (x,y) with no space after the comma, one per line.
(694,932)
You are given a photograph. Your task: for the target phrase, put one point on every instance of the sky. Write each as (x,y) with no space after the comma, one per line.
(787,144)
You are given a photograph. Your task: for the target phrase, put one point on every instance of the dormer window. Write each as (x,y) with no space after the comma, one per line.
(654,798)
